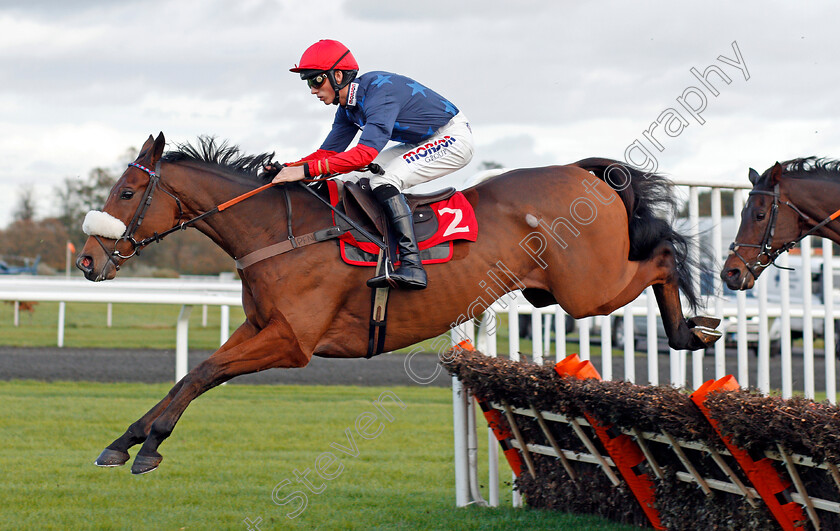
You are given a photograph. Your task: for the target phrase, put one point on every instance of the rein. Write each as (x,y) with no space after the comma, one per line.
(766,245)
(155,177)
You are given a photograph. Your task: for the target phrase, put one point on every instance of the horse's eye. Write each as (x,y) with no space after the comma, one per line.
(760,216)
(126,194)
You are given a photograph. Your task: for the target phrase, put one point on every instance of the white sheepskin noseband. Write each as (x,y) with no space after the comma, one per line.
(99,223)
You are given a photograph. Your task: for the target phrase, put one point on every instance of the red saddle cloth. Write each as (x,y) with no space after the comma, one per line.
(455,219)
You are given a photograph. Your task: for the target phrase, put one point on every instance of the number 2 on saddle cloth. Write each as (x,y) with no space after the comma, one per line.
(436,225)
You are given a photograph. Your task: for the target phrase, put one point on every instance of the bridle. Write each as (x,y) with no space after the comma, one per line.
(140,214)
(766,245)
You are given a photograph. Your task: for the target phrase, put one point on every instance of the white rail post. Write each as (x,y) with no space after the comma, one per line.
(652,341)
(224,325)
(547,334)
(828,323)
(513,328)
(459,419)
(583,332)
(17,313)
(109,314)
(677,367)
(738,200)
(492,443)
(629,344)
(559,333)
(61,313)
(606,348)
(182,342)
(203,316)
(513,354)
(694,232)
(807,319)
(787,363)
(536,336)
(717,249)
(763,373)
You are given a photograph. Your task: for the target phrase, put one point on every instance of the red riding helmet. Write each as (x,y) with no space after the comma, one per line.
(325,57)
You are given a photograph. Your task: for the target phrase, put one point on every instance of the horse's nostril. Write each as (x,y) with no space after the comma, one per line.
(85,263)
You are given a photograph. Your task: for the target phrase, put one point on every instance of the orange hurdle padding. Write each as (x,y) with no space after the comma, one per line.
(497,423)
(501,430)
(761,473)
(623,450)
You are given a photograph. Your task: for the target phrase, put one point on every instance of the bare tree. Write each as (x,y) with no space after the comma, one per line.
(77,196)
(25,209)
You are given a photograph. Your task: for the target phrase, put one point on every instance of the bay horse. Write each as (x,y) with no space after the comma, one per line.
(789,201)
(558,233)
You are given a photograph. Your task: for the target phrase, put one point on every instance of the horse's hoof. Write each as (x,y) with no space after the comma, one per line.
(706,322)
(707,336)
(110,458)
(145,463)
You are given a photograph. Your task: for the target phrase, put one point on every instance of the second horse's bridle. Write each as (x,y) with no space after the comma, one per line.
(766,245)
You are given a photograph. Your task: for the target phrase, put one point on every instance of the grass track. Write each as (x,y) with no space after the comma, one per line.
(231,448)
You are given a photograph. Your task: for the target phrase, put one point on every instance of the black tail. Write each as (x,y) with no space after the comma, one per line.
(651,206)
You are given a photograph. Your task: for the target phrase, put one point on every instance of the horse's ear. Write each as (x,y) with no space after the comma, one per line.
(754,176)
(160,143)
(147,145)
(775,173)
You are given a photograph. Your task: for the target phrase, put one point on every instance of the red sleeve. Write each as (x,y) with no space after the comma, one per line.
(320,154)
(352,159)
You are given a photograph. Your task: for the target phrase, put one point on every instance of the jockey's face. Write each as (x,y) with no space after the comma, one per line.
(326,93)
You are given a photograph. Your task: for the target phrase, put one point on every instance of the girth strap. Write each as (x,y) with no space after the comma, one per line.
(288,245)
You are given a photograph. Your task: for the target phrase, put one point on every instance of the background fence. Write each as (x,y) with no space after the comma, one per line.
(184,292)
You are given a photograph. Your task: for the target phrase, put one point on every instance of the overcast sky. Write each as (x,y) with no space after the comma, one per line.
(542,82)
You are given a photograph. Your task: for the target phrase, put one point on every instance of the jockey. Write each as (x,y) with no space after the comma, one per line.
(434,139)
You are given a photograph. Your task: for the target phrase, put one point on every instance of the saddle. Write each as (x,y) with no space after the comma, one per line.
(358,203)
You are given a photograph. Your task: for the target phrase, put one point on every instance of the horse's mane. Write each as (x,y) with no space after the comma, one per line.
(226,156)
(810,167)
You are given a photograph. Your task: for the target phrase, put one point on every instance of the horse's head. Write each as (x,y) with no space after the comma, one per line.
(767,229)
(132,213)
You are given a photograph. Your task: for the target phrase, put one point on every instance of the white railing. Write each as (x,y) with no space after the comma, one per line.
(755,320)
(223,292)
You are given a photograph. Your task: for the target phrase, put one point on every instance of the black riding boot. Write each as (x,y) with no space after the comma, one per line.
(410,274)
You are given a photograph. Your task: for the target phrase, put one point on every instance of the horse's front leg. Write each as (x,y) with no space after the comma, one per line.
(116,453)
(274,346)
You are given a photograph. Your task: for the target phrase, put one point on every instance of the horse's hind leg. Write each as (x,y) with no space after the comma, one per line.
(116,453)
(274,346)
(683,334)
(660,272)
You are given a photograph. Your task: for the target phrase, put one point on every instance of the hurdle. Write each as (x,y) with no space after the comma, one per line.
(574,441)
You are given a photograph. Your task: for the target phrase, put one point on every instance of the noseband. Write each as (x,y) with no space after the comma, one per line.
(766,245)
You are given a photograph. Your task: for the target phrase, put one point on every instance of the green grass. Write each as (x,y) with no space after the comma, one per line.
(229,451)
